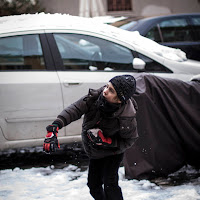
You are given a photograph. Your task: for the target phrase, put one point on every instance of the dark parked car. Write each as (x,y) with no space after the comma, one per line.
(179,31)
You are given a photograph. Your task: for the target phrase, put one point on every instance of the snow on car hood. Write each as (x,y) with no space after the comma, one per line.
(42,21)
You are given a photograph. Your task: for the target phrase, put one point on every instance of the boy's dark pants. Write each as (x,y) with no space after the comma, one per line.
(105,171)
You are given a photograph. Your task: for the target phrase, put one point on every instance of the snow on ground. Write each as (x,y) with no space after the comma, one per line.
(70,182)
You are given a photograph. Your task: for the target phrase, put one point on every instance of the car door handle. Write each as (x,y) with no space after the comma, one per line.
(71,83)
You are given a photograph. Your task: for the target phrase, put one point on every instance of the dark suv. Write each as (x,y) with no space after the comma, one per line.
(179,31)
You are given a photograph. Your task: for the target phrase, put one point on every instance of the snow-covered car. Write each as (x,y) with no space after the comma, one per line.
(48,61)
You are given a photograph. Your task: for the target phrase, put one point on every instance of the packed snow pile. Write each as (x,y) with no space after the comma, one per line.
(64,22)
(70,183)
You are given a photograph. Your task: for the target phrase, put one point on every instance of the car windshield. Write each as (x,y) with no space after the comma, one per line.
(128,26)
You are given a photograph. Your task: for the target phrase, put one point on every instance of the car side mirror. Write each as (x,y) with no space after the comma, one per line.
(138,64)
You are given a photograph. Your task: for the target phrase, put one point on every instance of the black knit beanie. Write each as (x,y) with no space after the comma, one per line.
(125,86)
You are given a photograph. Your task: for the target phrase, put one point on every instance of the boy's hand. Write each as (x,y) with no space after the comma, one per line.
(51,142)
(96,136)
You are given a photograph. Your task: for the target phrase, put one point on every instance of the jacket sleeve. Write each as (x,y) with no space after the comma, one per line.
(77,109)
(72,112)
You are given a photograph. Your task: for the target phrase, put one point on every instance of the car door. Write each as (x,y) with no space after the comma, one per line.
(87,62)
(30,93)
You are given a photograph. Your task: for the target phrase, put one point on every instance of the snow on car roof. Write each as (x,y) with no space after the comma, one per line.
(42,21)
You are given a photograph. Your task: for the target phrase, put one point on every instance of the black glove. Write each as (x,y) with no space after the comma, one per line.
(51,142)
(96,136)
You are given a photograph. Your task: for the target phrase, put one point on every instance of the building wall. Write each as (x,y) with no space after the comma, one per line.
(61,6)
(158,7)
(139,7)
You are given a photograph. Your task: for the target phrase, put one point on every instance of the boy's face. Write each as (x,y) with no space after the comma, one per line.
(110,94)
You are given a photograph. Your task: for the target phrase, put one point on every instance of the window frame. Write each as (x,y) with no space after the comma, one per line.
(113,6)
(48,61)
(59,63)
(58,58)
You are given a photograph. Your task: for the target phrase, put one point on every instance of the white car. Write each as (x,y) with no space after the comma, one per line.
(48,61)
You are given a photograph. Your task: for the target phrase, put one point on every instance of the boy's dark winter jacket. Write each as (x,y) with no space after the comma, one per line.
(121,126)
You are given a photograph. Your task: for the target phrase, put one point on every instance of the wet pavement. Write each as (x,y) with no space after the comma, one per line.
(35,157)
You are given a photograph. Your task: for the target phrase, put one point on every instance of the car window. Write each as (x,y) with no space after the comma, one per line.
(152,65)
(175,30)
(82,52)
(196,25)
(21,53)
(154,34)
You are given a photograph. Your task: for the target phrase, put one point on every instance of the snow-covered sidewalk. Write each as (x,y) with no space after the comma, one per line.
(70,182)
